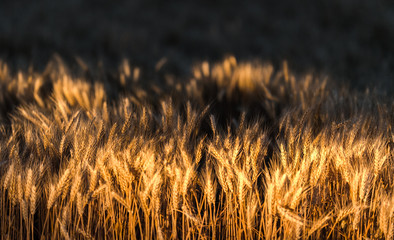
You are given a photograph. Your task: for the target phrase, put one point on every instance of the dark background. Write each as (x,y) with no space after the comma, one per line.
(351,41)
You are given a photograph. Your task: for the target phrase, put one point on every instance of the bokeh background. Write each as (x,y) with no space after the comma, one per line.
(351,42)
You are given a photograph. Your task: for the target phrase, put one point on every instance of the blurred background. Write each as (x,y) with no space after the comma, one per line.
(350,41)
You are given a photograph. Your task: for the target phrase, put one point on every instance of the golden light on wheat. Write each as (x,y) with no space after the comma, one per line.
(239,150)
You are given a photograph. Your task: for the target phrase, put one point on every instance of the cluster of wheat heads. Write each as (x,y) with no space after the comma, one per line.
(236,151)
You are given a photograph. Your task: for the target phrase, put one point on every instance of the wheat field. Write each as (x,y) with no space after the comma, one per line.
(238,150)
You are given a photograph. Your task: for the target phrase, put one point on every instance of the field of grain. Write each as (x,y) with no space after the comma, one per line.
(237,150)
(180,119)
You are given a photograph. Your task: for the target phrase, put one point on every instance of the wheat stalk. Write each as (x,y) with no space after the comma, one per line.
(8,176)
(290,215)
(33,199)
(29,183)
(63,230)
